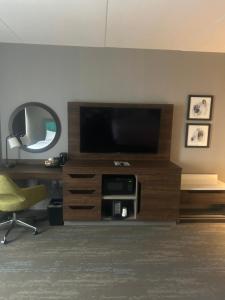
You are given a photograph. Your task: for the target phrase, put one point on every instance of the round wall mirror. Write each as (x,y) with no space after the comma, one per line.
(36,126)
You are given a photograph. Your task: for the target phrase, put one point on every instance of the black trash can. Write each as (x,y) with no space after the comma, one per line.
(55,212)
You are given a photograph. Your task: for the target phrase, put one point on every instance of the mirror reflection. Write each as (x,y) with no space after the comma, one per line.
(36,126)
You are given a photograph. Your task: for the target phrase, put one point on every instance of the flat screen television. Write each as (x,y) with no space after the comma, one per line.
(119,130)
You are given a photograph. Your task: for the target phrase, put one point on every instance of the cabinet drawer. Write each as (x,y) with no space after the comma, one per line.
(81,192)
(201,199)
(81,200)
(81,213)
(81,184)
(81,180)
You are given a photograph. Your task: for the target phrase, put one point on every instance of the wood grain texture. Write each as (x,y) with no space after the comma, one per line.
(81,199)
(201,199)
(74,133)
(160,196)
(107,167)
(158,178)
(32,171)
(202,206)
(81,183)
(71,213)
(87,193)
(81,194)
(159,183)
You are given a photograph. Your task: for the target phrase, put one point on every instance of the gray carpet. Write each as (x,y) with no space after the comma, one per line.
(115,263)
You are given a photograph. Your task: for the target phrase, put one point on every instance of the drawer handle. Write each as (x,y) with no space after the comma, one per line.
(82,175)
(82,207)
(87,192)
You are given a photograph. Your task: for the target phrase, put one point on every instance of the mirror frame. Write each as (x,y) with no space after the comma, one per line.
(51,112)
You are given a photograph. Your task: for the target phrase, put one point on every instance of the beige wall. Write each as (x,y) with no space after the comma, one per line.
(55,75)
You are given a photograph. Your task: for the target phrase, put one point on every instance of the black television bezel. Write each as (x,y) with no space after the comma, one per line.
(74,133)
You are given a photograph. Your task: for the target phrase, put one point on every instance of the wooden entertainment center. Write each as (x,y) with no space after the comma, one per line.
(158,179)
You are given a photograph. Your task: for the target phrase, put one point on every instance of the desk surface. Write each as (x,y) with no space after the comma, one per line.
(28,171)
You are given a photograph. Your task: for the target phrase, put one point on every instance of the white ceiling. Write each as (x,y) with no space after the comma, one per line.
(188,25)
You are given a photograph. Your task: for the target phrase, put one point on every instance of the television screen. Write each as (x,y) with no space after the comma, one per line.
(119,130)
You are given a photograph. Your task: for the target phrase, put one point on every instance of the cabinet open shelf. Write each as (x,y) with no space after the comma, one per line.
(120,207)
(118,219)
(112,209)
(120,197)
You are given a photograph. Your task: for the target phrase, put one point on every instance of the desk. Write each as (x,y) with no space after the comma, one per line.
(32,171)
(35,170)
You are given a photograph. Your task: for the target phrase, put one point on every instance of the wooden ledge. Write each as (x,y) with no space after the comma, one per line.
(201,182)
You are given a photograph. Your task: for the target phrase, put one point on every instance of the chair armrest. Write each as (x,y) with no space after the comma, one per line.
(35,193)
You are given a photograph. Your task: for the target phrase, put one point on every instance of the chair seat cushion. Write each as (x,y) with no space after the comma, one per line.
(13,198)
(11,202)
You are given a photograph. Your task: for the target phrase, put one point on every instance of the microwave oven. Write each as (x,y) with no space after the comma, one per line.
(118,185)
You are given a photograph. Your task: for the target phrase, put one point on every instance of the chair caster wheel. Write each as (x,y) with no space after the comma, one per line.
(4,241)
(35,232)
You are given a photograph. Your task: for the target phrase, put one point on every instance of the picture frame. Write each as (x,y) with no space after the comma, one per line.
(199,107)
(197,135)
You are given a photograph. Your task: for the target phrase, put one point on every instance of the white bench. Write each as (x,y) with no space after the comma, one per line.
(202,198)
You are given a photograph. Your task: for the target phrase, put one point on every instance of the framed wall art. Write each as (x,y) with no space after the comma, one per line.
(197,135)
(199,107)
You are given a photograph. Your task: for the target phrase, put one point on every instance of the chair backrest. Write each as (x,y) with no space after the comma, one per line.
(8,186)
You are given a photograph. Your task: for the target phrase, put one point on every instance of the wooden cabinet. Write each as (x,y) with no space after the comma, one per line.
(159,196)
(82,195)
(158,182)
(202,205)
(202,198)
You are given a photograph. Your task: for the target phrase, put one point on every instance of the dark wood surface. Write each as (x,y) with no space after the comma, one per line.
(202,206)
(159,183)
(81,193)
(32,171)
(74,133)
(158,178)
(201,199)
(107,166)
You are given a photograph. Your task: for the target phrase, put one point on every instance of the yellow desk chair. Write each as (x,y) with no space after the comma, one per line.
(14,199)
